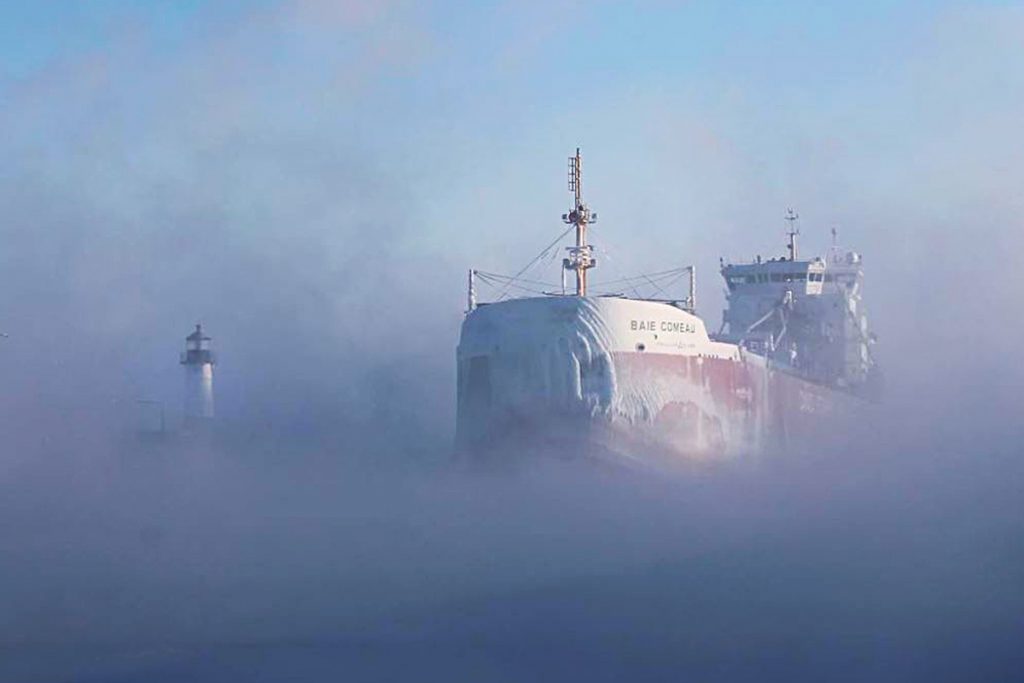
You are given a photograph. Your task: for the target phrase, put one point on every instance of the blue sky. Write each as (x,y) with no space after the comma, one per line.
(796,98)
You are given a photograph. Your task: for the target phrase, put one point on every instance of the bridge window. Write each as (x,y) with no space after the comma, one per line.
(776,277)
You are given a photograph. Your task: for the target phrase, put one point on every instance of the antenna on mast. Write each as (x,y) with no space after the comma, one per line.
(581,257)
(792,232)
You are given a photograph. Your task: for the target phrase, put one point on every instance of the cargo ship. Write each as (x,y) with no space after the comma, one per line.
(637,379)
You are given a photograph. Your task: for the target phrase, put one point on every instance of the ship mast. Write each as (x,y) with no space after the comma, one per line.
(792,232)
(581,257)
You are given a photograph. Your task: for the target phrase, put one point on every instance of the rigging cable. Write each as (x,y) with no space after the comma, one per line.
(538,257)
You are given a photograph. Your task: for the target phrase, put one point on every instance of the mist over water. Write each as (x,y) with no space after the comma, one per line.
(287,176)
(893,553)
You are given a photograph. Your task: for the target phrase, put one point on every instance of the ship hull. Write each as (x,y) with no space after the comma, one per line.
(628,381)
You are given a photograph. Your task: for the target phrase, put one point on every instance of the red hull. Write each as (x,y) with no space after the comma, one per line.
(735,409)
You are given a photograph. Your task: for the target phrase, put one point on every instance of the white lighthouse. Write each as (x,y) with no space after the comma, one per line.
(198,361)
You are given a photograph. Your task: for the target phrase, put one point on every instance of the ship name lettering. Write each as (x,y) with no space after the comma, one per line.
(675,326)
(663,326)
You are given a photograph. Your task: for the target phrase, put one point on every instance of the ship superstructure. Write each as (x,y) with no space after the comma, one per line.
(640,378)
(805,315)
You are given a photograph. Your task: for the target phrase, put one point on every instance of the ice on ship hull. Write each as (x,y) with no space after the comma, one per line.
(613,378)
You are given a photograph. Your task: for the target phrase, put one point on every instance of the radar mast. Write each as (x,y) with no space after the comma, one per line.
(792,232)
(581,257)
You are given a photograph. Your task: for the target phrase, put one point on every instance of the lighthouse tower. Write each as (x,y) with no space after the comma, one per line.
(198,361)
